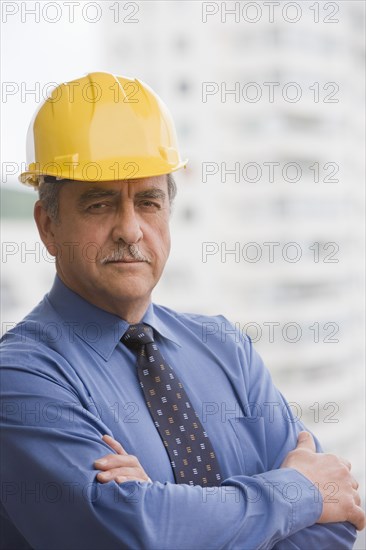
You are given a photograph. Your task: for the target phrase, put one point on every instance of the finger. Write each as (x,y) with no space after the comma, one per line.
(135,473)
(357,498)
(306,441)
(116,446)
(345,462)
(103,478)
(115,473)
(122,479)
(116,461)
(357,517)
(354,483)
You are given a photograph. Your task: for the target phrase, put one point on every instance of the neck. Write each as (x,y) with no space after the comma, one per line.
(129,309)
(132,313)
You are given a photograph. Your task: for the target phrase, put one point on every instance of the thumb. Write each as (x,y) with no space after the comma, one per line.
(306,441)
(116,446)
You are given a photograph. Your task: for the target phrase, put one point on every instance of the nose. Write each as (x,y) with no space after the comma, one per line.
(127,225)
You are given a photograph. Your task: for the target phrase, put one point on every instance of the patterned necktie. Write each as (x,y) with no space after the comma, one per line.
(190,451)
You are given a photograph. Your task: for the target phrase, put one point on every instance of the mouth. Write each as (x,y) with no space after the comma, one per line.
(130,256)
(126,261)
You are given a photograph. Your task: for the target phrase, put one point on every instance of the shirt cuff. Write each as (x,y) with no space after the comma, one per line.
(305,498)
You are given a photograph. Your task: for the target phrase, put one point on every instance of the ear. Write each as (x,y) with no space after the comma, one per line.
(46,228)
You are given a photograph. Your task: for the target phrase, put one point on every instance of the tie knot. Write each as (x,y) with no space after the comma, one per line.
(137,335)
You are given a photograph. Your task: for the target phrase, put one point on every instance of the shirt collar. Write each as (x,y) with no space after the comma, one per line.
(152,318)
(99,329)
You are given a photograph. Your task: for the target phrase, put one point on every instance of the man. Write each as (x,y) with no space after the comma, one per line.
(200,460)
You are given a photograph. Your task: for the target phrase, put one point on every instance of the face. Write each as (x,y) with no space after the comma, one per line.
(111,241)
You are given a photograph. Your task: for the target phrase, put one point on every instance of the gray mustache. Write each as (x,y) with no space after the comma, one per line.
(130,251)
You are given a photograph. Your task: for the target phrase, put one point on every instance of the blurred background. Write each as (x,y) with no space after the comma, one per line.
(268,225)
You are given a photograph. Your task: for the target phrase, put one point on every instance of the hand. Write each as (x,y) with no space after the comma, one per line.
(119,467)
(331,475)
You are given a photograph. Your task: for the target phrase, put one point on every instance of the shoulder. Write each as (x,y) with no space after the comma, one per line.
(32,330)
(32,345)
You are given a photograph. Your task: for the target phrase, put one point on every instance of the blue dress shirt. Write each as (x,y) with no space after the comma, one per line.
(66,380)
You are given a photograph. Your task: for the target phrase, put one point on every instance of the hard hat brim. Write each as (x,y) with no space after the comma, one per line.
(32,177)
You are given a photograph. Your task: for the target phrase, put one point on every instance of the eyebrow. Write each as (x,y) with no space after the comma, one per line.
(153,193)
(95,193)
(99,193)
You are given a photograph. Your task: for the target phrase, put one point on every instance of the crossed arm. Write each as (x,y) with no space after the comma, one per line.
(43,453)
(41,457)
(321,469)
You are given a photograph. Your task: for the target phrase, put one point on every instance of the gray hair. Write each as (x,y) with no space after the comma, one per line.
(49,190)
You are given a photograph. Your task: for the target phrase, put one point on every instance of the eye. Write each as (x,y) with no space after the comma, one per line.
(97,206)
(150,206)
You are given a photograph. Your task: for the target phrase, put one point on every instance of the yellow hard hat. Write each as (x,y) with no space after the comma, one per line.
(99,128)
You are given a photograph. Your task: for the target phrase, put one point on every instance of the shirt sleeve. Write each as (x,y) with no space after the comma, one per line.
(51,496)
(331,536)
(282,423)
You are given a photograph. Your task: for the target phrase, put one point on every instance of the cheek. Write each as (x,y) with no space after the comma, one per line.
(164,239)
(79,243)
(158,239)
(168,245)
